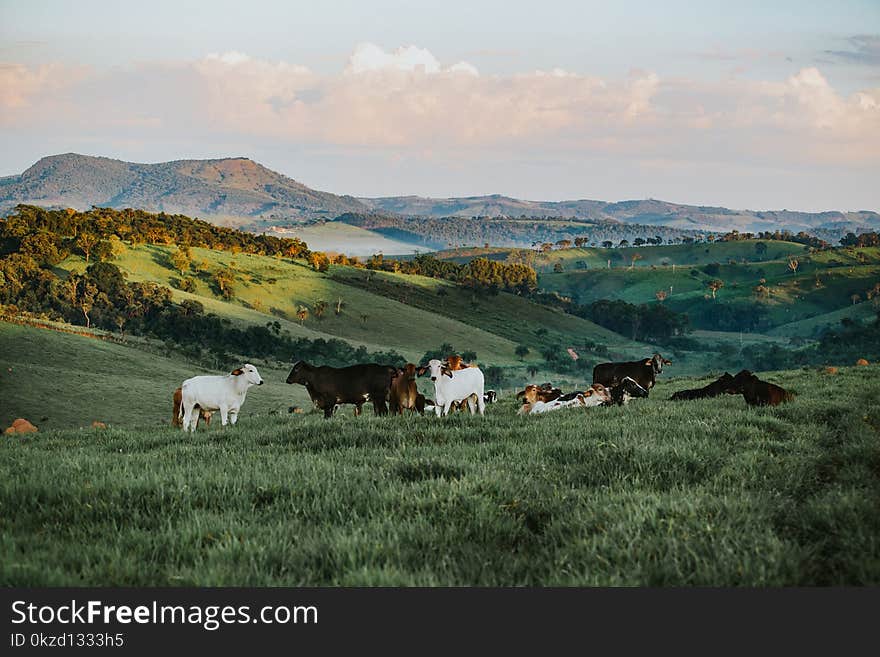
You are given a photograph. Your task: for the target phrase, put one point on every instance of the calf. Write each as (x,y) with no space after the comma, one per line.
(451,386)
(176,415)
(627,389)
(717,387)
(356,384)
(644,372)
(490,396)
(217,393)
(403,392)
(757,392)
(454,363)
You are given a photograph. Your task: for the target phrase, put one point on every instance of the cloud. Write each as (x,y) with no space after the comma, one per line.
(865,49)
(407,101)
(370,58)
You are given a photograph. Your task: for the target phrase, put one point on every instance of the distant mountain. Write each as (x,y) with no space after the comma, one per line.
(647,212)
(244,193)
(231,187)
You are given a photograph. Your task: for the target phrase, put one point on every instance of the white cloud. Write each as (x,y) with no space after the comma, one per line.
(409,101)
(370,58)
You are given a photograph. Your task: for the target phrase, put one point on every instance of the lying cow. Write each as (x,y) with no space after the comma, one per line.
(535,399)
(451,386)
(717,387)
(356,384)
(643,372)
(217,393)
(757,392)
(627,389)
(177,417)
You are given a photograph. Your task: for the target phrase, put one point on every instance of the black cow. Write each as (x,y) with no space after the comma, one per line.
(490,396)
(644,372)
(717,387)
(356,384)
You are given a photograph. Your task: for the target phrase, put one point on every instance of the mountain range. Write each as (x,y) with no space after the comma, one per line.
(242,192)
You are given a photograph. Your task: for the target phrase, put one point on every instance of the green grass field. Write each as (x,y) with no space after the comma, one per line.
(659,493)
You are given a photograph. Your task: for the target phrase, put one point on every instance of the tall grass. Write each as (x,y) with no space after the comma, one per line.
(657,493)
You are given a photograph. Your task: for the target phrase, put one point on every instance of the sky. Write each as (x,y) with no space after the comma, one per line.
(750,105)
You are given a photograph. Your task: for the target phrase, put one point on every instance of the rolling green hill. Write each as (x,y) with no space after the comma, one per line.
(823,283)
(379,310)
(678,254)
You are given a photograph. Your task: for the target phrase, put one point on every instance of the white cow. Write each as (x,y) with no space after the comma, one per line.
(455,386)
(217,393)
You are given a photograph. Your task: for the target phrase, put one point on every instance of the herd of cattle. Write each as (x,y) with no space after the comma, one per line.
(456,386)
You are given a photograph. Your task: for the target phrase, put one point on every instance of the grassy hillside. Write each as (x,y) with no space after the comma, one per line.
(678,254)
(405,313)
(60,380)
(824,283)
(658,493)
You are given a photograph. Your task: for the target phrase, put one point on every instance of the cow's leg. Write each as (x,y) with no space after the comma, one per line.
(224,415)
(187,417)
(471,404)
(328,409)
(379,406)
(358,409)
(481,404)
(233,415)
(446,407)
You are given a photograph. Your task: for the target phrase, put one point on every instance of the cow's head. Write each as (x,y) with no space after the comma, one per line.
(250,374)
(599,392)
(735,385)
(437,369)
(453,363)
(529,395)
(632,388)
(299,373)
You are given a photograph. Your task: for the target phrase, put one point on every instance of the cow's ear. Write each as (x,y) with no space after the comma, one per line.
(648,362)
(667,362)
(237,372)
(421,371)
(447,372)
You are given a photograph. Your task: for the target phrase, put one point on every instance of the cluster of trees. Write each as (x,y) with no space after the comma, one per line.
(479,273)
(864,239)
(50,235)
(779,235)
(650,322)
(454,231)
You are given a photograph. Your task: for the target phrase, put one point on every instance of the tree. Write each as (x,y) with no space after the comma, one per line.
(558,268)
(86,242)
(793,265)
(714,285)
(302,313)
(181,259)
(339,306)
(607,244)
(320,307)
(319,261)
(633,258)
(522,351)
(760,248)
(103,251)
(532,370)
(855,298)
(224,280)
(661,295)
